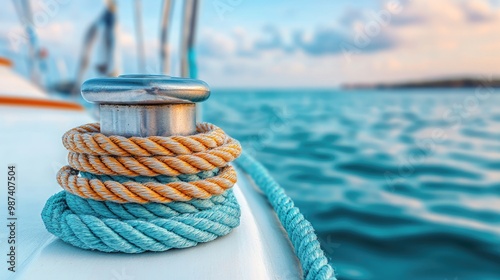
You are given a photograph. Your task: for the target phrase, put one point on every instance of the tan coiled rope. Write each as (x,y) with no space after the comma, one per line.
(87,139)
(96,153)
(156,165)
(145,192)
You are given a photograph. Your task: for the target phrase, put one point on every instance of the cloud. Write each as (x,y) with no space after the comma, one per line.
(433,39)
(417,39)
(216,44)
(319,42)
(479,11)
(323,41)
(55,31)
(446,22)
(271,39)
(244,43)
(330,41)
(350,17)
(367,31)
(450,11)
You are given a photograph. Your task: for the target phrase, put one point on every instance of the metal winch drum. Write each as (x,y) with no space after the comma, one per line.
(146,105)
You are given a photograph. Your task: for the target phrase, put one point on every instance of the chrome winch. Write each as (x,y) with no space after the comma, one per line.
(146,105)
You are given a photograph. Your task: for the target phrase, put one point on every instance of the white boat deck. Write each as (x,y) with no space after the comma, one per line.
(11,84)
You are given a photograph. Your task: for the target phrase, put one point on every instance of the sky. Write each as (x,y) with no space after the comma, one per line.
(284,43)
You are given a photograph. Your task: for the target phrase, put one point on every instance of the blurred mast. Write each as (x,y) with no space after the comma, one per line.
(140,40)
(188,61)
(108,67)
(164,48)
(23,10)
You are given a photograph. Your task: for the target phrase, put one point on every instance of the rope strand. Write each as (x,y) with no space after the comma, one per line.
(157,165)
(127,190)
(86,139)
(148,211)
(300,231)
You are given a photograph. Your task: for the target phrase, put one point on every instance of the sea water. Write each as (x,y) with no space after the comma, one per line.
(400,184)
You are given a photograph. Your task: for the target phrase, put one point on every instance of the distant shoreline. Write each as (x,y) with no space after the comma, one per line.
(441,83)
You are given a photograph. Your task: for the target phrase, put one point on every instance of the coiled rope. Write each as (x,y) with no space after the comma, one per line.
(144,194)
(126,189)
(157,193)
(86,139)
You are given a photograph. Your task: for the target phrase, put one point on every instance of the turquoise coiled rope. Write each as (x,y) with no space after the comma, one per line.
(159,179)
(148,211)
(136,228)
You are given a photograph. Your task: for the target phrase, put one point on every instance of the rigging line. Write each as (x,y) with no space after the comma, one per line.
(164,48)
(140,38)
(19,10)
(23,10)
(106,24)
(188,63)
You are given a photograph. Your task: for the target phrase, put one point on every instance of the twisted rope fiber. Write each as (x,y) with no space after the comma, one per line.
(300,231)
(138,235)
(155,193)
(160,179)
(87,139)
(148,211)
(141,190)
(157,165)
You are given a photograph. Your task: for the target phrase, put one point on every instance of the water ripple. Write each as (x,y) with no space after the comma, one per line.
(438,219)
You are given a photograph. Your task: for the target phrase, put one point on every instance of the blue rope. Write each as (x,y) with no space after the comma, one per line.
(134,228)
(300,231)
(108,231)
(163,179)
(148,211)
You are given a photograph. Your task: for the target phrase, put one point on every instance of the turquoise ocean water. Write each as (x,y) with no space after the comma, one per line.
(398,184)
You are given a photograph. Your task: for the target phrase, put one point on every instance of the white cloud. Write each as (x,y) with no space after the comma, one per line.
(216,44)
(56,32)
(427,38)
